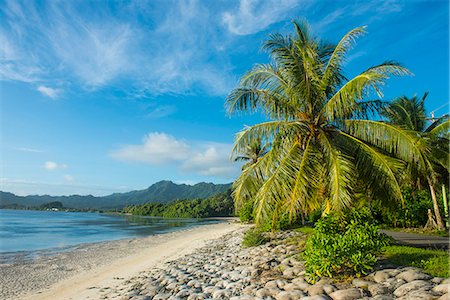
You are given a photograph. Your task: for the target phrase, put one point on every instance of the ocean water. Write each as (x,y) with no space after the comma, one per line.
(27,230)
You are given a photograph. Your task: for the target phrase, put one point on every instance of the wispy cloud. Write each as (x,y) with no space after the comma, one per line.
(161,111)
(25,149)
(48,91)
(88,45)
(69,178)
(256,15)
(202,158)
(51,166)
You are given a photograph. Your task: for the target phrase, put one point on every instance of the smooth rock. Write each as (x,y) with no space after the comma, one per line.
(292,295)
(437,280)
(316,289)
(381,276)
(378,289)
(361,283)
(442,288)
(317,297)
(412,286)
(162,296)
(348,294)
(383,297)
(419,295)
(411,275)
(329,288)
(394,283)
(445,297)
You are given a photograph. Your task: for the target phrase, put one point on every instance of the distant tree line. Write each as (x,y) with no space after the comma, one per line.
(219,205)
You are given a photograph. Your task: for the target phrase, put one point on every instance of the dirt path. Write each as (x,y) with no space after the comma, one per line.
(419,240)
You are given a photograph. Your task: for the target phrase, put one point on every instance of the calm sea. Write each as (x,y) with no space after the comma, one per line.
(27,230)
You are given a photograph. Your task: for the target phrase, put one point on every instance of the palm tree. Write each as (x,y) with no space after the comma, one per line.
(322,140)
(410,114)
(252,153)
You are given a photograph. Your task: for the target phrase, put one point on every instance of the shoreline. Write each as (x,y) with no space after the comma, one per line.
(75,273)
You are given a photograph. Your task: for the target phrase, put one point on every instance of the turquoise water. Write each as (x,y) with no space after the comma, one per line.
(27,230)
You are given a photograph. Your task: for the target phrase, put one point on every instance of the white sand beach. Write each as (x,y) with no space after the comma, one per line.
(85,271)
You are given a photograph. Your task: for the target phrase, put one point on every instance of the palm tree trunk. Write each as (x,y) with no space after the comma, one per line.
(437,214)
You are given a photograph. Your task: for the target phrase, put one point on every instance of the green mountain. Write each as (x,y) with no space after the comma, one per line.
(160,192)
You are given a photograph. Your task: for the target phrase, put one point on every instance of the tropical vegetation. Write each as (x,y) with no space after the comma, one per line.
(343,246)
(219,205)
(328,145)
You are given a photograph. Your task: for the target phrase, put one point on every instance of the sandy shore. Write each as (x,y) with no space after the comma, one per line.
(83,272)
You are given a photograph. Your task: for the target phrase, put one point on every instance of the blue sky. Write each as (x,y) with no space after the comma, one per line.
(108,96)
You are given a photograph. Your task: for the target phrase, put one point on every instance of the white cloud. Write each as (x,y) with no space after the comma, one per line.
(91,47)
(48,91)
(68,178)
(156,149)
(25,149)
(51,165)
(201,158)
(161,111)
(212,160)
(256,15)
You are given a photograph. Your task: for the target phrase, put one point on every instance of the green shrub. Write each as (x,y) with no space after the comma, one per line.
(245,212)
(343,246)
(253,237)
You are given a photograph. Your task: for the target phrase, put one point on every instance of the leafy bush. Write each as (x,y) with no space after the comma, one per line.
(245,212)
(346,245)
(253,237)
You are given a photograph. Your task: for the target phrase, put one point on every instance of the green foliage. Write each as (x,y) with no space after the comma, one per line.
(220,205)
(413,213)
(341,246)
(320,139)
(253,237)
(433,262)
(245,212)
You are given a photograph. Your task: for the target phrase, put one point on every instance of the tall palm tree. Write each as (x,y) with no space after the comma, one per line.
(410,114)
(322,139)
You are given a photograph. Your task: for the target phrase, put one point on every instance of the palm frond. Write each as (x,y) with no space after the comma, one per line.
(402,143)
(341,175)
(342,103)
(338,55)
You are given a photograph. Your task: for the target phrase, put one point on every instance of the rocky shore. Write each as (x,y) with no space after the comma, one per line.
(223,269)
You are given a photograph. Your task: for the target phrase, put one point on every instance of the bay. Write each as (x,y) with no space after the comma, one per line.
(27,230)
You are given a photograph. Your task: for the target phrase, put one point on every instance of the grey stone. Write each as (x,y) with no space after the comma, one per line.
(291,295)
(412,286)
(316,289)
(329,288)
(437,280)
(348,294)
(317,297)
(378,289)
(411,275)
(162,296)
(361,283)
(141,298)
(394,283)
(264,292)
(381,276)
(291,287)
(419,295)
(196,296)
(442,288)
(383,297)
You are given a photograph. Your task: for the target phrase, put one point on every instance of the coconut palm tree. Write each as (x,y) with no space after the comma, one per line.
(252,153)
(410,114)
(322,139)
